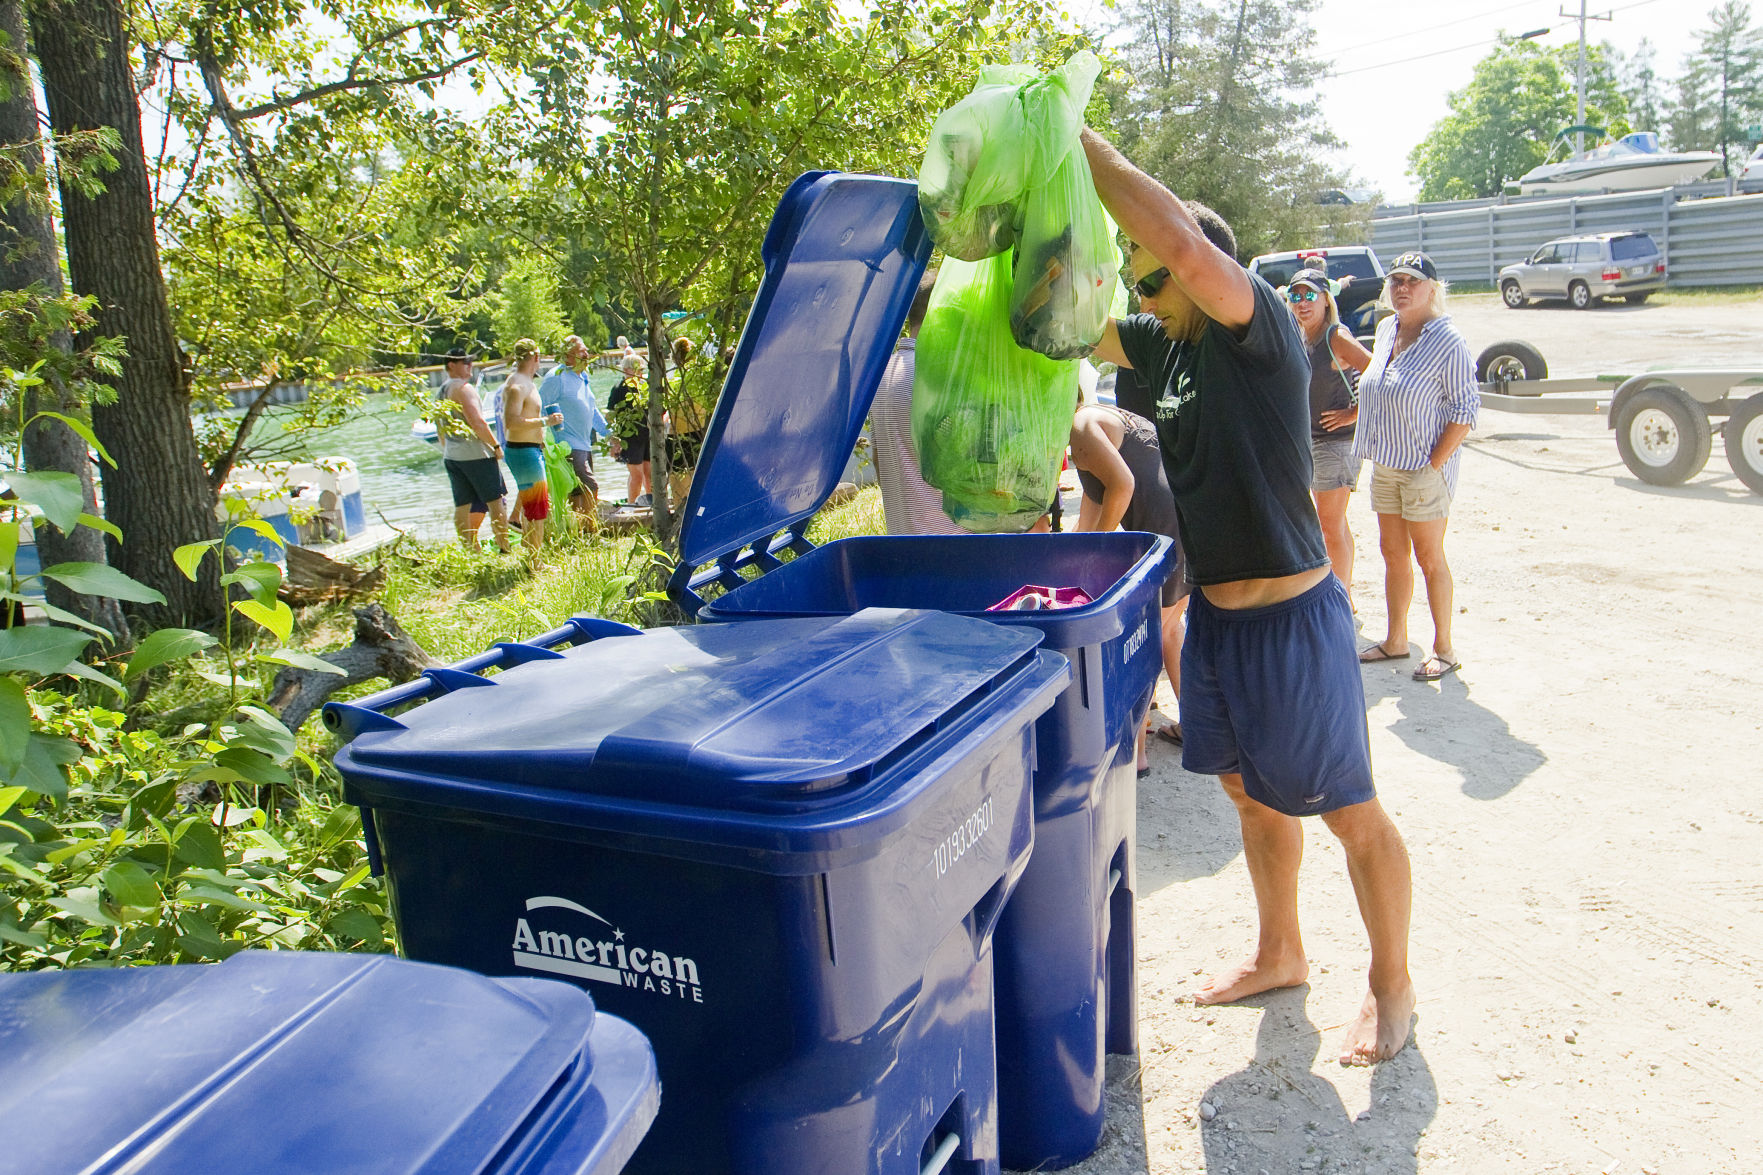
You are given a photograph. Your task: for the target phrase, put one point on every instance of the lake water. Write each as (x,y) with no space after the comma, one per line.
(401,474)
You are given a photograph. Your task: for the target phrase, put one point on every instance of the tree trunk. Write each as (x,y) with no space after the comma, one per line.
(158,493)
(28,256)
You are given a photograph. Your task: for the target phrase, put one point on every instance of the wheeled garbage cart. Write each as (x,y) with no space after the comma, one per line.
(297,1063)
(843,259)
(778,849)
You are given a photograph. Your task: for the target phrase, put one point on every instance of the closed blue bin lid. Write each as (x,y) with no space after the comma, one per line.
(843,258)
(290,1061)
(795,735)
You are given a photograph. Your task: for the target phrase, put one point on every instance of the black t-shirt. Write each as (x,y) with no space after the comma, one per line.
(1233,417)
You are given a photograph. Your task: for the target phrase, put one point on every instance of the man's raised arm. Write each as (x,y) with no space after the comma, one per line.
(1157,220)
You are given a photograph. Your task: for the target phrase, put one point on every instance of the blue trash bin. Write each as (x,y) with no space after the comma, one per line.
(778,849)
(294,1062)
(842,261)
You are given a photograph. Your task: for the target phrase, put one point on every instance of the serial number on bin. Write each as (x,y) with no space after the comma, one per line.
(966,835)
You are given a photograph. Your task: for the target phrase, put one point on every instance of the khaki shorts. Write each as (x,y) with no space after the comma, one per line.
(1418,495)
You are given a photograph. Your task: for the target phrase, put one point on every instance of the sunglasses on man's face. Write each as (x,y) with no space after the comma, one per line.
(1149,285)
(1302,295)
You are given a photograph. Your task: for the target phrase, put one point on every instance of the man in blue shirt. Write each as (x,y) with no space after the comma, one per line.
(566,390)
(1272,702)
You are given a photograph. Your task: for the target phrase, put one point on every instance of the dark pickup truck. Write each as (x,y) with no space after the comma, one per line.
(1356,267)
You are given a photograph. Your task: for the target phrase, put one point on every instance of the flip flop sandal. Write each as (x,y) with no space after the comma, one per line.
(1170,733)
(1438,668)
(1372,654)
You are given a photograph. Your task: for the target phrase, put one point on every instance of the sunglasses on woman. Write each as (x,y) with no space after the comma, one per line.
(1152,282)
(1295,296)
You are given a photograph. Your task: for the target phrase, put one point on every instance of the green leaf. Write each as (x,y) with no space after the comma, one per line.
(355,878)
(251,766)
(15,725)
(103,524)
(90,911)
(24,938)
(131,885)
(168,644)
(198,844)
(101,579)
(61,616)
(82,670)
(41,769)
(300,661)
(8,544)
(279,619)
(60,496)
(85,433)
(358,924)
(9,796)
(39,650)
(197,936)
(264,732)
(201,895)
(260,579)
(260,527)
(189,556)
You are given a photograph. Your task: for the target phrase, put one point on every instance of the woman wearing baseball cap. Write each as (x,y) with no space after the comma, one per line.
(1417,402)
(1336,361)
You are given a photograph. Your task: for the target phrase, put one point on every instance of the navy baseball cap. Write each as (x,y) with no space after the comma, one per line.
(1415,264)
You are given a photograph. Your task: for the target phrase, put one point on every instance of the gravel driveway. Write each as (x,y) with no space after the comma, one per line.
(1618,339)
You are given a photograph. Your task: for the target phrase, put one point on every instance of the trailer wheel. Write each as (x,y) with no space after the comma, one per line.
(1744,442)
(1664,436)
(1511,362)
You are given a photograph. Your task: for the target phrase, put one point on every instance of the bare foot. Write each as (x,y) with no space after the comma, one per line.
(1252,978)
(1380,1031)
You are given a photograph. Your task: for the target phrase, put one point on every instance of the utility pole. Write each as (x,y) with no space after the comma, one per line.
(1579,74)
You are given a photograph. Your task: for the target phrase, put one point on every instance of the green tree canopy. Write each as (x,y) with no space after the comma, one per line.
(1728,62)
(1220,103)
(1504,121)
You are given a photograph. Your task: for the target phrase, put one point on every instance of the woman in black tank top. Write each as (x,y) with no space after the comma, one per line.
(1336,361)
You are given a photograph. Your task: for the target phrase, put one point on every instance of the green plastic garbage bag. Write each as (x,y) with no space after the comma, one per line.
(559,473)
(976,168)
(989,419)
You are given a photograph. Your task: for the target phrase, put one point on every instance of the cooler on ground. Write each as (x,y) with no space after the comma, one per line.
(294,1062)
(778,849)
(843,259)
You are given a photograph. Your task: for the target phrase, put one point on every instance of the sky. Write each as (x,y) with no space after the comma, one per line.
(1397,61)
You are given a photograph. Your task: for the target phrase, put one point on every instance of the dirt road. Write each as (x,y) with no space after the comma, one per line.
(1584,808)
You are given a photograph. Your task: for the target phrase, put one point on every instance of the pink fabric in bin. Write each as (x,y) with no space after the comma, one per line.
(1035,598)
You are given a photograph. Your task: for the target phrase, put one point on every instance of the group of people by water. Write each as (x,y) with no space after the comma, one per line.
(475,446)
(1243,416)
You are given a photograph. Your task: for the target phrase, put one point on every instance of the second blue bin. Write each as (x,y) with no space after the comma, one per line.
(843,259)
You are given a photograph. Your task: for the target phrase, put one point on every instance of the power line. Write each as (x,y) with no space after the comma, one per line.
(1423,56)
(1455,48)
(1333,53)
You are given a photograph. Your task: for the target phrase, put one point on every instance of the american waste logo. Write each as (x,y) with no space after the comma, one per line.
(564,944)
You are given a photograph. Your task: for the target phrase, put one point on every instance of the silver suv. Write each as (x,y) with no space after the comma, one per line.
(1584,269)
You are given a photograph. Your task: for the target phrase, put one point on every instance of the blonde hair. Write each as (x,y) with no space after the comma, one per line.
(1437,304)
(1331,313)
(524,349)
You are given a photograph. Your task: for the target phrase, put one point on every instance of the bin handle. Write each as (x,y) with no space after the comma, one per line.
(987,911)
(940,1157)
(349,719)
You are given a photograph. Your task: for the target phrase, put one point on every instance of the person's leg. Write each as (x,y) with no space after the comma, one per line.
(1171,635)
(499,523)
(466,524)
(1273,847)
(1398,580)
(1377,862)
(1331,511)
(1429,553)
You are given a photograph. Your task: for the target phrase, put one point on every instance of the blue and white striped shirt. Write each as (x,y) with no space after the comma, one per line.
(1406,401)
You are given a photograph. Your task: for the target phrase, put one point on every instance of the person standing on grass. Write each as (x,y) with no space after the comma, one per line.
(524,420)
(1417,402)
(470,454)
(567,392)
(1272,702)
(1336,362)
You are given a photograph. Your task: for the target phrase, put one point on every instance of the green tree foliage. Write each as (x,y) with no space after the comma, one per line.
(700,113)
(1729,61)
(1219,102)
(1504,122)
(1644,90)
(525,305)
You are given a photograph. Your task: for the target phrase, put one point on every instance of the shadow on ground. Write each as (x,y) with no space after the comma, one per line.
(1442,723)
(1279,1098)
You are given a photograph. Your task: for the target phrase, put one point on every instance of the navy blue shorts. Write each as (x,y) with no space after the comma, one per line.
(1274,694)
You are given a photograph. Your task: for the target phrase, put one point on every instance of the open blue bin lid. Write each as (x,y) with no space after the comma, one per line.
(286,1061)
(796,735)
(843,258)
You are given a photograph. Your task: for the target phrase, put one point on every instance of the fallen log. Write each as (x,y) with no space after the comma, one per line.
(382,649)
(315,579)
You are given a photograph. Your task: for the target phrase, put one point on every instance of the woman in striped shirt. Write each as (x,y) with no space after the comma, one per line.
(1417,402)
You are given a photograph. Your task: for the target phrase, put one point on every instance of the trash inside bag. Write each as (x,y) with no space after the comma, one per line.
(989,419)
(974,172)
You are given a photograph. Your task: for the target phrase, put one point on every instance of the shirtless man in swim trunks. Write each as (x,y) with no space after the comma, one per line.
(1272,702)
(524,421)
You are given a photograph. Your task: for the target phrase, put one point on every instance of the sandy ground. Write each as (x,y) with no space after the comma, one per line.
(1583,804)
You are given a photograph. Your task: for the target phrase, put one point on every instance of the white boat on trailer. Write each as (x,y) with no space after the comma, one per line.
(1633,163)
